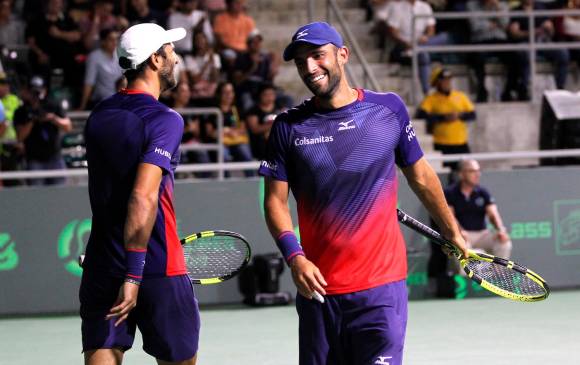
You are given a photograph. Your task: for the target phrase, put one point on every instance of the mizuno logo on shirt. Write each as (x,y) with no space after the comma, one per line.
(162,152)
(382,360)
(306,141)
(346,125)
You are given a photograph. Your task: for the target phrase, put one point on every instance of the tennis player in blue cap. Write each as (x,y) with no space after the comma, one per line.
(338,153)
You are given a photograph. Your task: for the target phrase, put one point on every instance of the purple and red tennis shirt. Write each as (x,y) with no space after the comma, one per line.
(340,166)
(129,128)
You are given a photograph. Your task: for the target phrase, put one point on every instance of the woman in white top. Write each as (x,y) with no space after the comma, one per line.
(203,67)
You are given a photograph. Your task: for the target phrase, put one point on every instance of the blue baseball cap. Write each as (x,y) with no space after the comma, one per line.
(317,33)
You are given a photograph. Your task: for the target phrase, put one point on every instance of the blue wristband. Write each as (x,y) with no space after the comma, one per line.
(288,244)
(135,263)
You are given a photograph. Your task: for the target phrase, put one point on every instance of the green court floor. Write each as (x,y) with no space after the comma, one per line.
(486,331)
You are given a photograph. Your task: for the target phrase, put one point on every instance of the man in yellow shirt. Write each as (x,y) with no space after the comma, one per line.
(447,111)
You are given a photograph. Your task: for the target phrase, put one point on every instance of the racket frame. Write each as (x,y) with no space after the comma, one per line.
(436,237)
(204,234)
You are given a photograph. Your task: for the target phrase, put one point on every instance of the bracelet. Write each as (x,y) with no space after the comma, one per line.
(135,263)
(289,246)
(132,281)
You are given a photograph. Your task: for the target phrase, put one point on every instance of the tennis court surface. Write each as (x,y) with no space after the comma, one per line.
(484,331)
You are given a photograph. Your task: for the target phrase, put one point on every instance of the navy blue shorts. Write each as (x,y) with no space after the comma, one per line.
(362,328)
(167,315)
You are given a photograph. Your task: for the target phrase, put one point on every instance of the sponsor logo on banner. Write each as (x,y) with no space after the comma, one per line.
(71,244)
(8,255)
(567,223)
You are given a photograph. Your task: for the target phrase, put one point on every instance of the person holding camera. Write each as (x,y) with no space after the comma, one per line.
(38,123)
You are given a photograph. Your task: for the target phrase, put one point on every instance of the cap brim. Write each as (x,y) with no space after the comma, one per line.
(291,48)
(174,35)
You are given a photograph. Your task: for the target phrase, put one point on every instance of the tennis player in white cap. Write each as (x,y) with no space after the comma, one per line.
(134,270)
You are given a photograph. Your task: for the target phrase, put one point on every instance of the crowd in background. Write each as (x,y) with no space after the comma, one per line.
(70,48)
(393,29)
(58,56)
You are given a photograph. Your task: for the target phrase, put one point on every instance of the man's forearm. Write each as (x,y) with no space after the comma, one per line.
(140,219)
(278,217)
(427,187)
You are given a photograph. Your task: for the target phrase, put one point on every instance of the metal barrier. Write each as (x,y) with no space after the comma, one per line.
(80,117)
(254,165)
(531,46)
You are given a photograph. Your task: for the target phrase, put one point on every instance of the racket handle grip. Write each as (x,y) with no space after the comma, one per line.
(426,231)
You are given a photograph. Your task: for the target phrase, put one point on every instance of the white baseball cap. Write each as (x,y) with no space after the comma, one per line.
(142,40)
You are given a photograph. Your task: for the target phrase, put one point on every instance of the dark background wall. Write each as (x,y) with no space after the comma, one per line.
(42,231)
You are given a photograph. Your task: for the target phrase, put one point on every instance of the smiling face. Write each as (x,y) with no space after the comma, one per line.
(320,68)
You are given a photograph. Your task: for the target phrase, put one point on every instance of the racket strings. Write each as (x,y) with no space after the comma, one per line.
(215,256)
(504,278)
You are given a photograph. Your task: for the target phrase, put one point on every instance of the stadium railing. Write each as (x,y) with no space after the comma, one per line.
(531,46)
(222,167)
(79,118)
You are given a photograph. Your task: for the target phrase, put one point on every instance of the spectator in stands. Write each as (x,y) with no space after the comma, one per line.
(102,71)
(471,204)
(213,7)
(11,151)
(378,11)
(11,28)
(446,111)
(519,31)
(399,20)
(235,135)
(232,29)
(570,29)
(259,120)
(203,67)
(253,68)
(490,30)
(181,98)
(102,18)
(192,19)
(54,40)
(141,12)
(38,124)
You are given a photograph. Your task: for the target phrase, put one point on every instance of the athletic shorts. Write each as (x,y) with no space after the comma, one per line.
(167,315)
(361,328)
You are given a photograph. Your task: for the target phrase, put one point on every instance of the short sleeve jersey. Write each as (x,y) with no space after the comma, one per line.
(123,131)
(340,166)
(469,210)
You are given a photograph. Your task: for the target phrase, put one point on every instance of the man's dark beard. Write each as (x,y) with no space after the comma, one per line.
(333,81)
(166,78)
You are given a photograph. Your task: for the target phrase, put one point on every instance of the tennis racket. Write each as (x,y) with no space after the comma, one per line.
(215,256)
(500,276)
(212,256)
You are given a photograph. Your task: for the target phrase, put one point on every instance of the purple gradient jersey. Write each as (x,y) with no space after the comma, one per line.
(340,166)
(123,131)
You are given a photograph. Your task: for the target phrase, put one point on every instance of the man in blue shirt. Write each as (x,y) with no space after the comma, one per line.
(472,204)
(134,269)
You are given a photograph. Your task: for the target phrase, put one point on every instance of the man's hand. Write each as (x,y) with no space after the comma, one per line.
(126,301)
(459,242)
(451,117)
(502,236)
(307,277)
